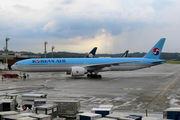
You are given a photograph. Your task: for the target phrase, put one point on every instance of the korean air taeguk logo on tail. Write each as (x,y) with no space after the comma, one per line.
(156,51)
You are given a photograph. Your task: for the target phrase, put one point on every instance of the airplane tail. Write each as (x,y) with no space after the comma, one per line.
(155,52)
(125,54)
(92,53)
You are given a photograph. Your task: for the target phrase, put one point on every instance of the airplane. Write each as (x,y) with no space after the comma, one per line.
(124,55)
(91,66)
(91,53)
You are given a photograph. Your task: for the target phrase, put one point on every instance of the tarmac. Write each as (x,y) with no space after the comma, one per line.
(153,89)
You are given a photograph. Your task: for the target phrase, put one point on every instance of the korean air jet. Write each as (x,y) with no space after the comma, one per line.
(91,66)
(91,53)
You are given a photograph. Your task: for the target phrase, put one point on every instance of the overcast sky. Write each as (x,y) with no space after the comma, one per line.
(79,25)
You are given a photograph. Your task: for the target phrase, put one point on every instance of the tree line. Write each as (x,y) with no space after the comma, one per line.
(63,54)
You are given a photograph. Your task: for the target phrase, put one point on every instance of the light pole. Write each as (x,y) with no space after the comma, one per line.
(45,48)
(6,50)
(52,50)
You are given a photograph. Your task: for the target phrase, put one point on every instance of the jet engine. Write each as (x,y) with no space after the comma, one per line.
(78,71)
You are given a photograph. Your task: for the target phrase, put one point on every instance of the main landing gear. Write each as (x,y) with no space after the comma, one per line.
(93,76)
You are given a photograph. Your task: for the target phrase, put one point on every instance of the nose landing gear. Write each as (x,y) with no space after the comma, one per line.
(94,76)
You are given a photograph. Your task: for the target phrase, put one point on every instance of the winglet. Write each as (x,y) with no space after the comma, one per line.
(155,52)
(92,53)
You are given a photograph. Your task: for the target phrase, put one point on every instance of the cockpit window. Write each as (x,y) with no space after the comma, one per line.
(16,64)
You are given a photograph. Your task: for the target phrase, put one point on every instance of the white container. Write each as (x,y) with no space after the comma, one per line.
(88,116)
(105,119)
(38,102)
(27,114)
(67,107)
(102,111)
(150,118)
(105,106)
(7,113)
(118,116)
(13,117)
(41,117)
(171,113)
(8,104)
(27,118)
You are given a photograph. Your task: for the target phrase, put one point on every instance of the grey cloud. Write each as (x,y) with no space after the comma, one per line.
(67,2)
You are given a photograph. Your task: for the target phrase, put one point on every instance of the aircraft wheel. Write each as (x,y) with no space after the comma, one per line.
(29,106)
(88,75)
(99,76)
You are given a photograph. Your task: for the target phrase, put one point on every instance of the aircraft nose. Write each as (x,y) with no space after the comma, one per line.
(13,67)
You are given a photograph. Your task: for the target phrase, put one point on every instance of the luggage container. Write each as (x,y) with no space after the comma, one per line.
(102,111)
(47,109)
(7,113)
(135,117)
(28,100)
(67,108)
(118,116)
(14,98)
(27,114)
(13,117)
(172,113)
(1,107)
(88,116)
(150,118)
(27,118)
(105,118)
(39,102)
(8,105)
(106,106)
(42,117)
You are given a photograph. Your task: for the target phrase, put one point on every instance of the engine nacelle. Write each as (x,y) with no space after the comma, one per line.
(78,71)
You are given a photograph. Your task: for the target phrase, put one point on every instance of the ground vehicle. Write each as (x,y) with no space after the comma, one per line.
(10,75)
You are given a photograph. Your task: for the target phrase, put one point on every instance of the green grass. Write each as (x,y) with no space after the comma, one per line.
(173,62)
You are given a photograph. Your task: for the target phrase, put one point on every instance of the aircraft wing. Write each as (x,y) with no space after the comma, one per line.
(158,62)
(95,66)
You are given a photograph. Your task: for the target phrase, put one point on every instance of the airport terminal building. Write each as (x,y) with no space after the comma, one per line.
(14,57)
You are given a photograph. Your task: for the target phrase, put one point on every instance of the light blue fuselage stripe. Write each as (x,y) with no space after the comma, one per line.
(83,61)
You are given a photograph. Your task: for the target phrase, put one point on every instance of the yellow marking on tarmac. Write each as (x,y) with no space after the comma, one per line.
(171,83)
(138,88)
(131,89)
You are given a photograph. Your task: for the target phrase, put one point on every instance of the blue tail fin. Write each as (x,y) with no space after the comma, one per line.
(155,52)
(92,53)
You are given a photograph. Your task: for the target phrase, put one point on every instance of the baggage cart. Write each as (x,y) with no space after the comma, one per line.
(102,111)
(117,116)
(172,113)
(13,117)
(8,105)
(27,118)
(7,113)
(87,116)
(42,117)
(68,108)
(48,109)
